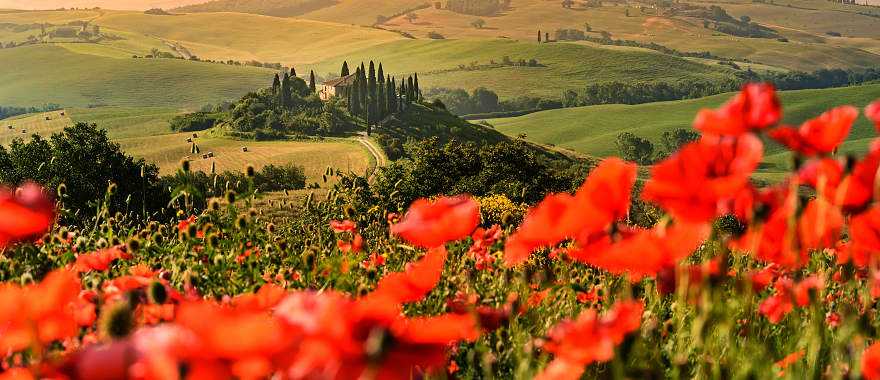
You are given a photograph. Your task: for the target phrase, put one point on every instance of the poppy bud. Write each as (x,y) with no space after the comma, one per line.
(270,228)
(62,190)
(213,205)
(230,197)
(111,189)
(241,222)
(133,245)
(117,321)
(252,212)
(349,211)
(157,293)
(213,240)
(250,171)
(184,166)
(102,243)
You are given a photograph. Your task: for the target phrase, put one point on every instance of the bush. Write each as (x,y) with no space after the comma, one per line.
(198,121)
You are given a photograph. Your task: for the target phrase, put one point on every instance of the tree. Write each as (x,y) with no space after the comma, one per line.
(292,72)
(634,148)
(284,96)
(411,17)
(673,140)
(312,85)
(83,158)
(276,84)
(372,88)
(345,71)
(479,23)
(485,100)
(417,94)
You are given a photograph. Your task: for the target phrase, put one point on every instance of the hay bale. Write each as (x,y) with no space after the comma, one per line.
(244,149)
(204,156)
(11,127)
(211,154)
(48,118)
(189,140)
(195,135)
(62,113)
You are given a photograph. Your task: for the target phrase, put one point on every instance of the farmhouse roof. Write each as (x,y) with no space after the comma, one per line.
(347,80)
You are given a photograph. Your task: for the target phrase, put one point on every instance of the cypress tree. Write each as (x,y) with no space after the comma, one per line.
(364,96)
(345,71)
(381,100)
(354,101)
(410,90)
(381,74)
(276,83)
(390,105)
(284,96)
(417,92)
(292,72)
(371,91)
(312,85)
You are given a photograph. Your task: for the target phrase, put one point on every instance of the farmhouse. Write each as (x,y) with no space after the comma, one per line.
(338,86)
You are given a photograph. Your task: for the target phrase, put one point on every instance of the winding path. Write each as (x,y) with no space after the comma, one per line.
(375,151)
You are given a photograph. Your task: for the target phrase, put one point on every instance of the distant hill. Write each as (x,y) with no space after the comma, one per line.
(106,4)
(278,8)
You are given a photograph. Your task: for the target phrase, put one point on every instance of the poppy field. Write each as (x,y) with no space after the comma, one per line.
(735,280)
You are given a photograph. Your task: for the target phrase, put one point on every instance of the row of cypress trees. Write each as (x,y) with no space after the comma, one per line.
(286,85)
(374,95)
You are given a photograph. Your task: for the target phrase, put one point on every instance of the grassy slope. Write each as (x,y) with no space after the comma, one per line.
(593,130)
(107,4)
(805,51)
(363,12)
(567,66)
(278,8)
(144,132)
(238,36)
(47,73)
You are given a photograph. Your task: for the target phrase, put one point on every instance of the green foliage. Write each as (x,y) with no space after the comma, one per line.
(86,162)
(634,148)
(198,121)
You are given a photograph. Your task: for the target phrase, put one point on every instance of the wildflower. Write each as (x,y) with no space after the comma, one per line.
(602,199)
(818,136)
(699,180)
(590,338)
(343,226)
(871,362)
(373,261)
(100,260)
(756,107)
(787,361)
(430,224)
(39,313)
(24,214)
(872,111)
(355,246)
(415,282)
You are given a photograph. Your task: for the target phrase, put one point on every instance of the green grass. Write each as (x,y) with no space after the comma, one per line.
(593,130)
(127,122)
(52,74)
(565,66)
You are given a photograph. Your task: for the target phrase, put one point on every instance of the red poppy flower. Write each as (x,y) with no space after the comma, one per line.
(415,282)
(872,111)
(431,224)
(818,136)
(589,339)
(778,305)
(871,362)
(266,298)
(641,252)
(755,107)
(856,191)
(603,199)
(100,260)
(343,226)
(697,181)
(232,333)
(40,313)
(864,230)
(355,246)
(24,214)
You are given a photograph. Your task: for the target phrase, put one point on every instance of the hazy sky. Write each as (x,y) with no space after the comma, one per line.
(109,4)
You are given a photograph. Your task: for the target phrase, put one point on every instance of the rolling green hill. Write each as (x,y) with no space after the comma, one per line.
(447,63)
(54,74)
(365,12)
(593,130)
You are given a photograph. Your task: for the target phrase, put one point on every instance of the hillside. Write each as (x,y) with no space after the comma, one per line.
(54,74)
(804,25)
(471,63)
(144,132)
(365,12)
(106,4)
(278,8)
(593,130)
(244,37)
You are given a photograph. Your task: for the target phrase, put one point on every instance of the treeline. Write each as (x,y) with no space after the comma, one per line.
(483,101)
(373,95)
(605,39)
(638,93)
(643,151)
(477,7)
(6,111)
